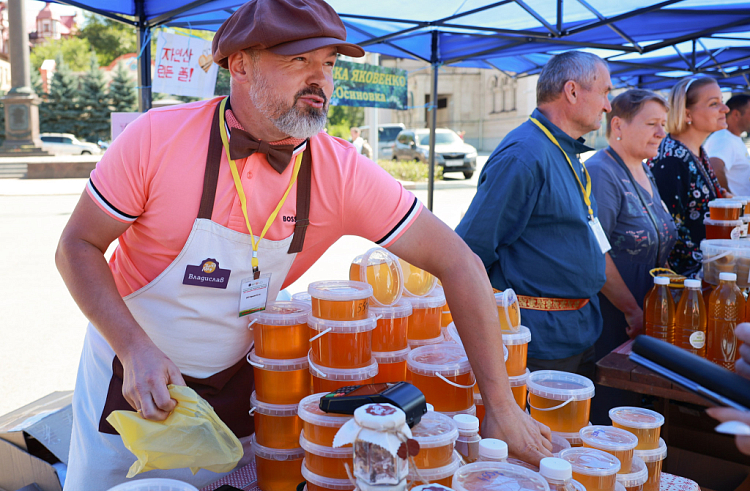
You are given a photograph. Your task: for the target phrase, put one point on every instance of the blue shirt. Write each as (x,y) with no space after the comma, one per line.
(529,224)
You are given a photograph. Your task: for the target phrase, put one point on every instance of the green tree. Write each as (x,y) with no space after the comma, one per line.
(122,95)
(109,38)
(75,52)
(94,104)
(63,109)
(341,118)
(222,82)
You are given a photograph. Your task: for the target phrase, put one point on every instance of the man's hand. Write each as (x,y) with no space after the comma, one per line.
(527,440)
(147,372)
(742,366)
(635,323)
(729,414)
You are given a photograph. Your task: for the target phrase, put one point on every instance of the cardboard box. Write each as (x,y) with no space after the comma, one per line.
(33,438)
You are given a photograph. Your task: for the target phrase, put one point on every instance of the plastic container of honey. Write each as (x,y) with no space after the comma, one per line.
(508,310)
(497,476)
(320,427)
(436,434)
(341,344)
(303,297)
(725,209)
(518,348)
(391,365)
(392,326)
(472,411)
(454,337)
(573,438)
(636,478)
(518,387)
(326,461)
(424,321)
(596,470)
(654,460)
(443,374)
(418,343)
(614,441)
(339,300)
(281,331)
(559,443)
(280,381)
(438,475)
(560,400)
(417,282)
(320,483)
(382,272)
(275,426)
(722,229)
(278,469)
(643,423)
(325,379)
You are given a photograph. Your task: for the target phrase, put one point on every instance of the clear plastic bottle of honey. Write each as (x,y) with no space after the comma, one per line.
(658,311)
(467,444)
(726,309)
(558,473)
(690,320)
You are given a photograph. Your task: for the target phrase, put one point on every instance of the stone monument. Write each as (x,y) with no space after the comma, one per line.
(21,103)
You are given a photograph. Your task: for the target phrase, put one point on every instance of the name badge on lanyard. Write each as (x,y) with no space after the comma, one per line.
(601,237)
(254,294)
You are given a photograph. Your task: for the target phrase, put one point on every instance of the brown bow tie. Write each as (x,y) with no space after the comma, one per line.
(242,144)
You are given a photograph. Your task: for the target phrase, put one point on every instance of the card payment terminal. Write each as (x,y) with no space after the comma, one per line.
(401,394)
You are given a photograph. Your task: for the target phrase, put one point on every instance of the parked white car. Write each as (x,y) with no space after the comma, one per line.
(67,144)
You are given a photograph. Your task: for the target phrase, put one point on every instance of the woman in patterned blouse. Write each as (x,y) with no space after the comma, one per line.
(682,171)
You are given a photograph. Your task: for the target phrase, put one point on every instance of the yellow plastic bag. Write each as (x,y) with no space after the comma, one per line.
(192,436)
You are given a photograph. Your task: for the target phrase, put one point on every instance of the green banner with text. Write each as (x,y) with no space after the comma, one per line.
(363,85)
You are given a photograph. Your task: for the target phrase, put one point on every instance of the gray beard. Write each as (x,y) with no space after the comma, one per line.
(290,120)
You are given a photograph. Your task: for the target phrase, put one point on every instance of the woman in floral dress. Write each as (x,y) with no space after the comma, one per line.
(682,171)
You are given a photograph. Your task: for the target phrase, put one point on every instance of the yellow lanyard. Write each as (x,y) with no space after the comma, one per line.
(585,191)
(241,192)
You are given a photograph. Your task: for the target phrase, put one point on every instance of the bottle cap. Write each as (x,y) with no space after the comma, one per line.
(692,283)
(466,422)
(727,277)
(661,280)
(554,468)
(492,448)
(430,407)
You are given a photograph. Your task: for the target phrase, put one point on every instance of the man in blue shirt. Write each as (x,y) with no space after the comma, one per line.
(533,220)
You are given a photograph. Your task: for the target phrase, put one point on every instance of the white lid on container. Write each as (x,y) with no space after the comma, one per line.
(159,484)
(523,336)
(435,430)
(519,380)
(560,386)
(409,270)
(466,422)
(559,443)
(339,327)
(380,416)
(430,407)
(377,256)
(655,455)
(591,462)
(326,482)
(344,374)
(431,487)
(492,448)
(636,417)
(322,451)
(438,473)
(727,276)
(619,487)
(638,474)
(339,290)
(725,203)
(722,223)
(280,454)
(385,357)
(281,410)
(692,283)
(309,411)
(282,314)
(396,311)
(302,297)
(573,438)
(661,280)
(497,476)
(608,438)
(416,343)
(448,360)
(472,411)
(452,331)
(432,300)
(554,468)
(506,300)
(276,365)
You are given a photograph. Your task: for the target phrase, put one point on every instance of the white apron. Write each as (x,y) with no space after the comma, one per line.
(197,327)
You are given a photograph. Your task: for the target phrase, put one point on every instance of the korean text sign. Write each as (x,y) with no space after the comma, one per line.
(184,66)
(362,85)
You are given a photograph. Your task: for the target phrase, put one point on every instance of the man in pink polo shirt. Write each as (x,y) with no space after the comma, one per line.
(184,189)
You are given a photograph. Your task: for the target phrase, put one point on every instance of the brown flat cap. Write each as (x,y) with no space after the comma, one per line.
(284,27)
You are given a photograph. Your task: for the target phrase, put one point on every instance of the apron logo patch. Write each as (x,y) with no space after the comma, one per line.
(207,274)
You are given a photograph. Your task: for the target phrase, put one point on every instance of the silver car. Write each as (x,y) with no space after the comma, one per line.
(67,144)
(451,152)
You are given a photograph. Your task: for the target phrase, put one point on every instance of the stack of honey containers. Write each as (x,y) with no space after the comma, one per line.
(726,219)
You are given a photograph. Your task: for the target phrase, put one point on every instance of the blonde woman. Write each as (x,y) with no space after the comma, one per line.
(682,170)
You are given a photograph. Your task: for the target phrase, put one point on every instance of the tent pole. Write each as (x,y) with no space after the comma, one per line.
(144,59)
(433,121)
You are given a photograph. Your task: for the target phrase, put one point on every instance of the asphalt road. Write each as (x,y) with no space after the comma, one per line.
(41,328)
